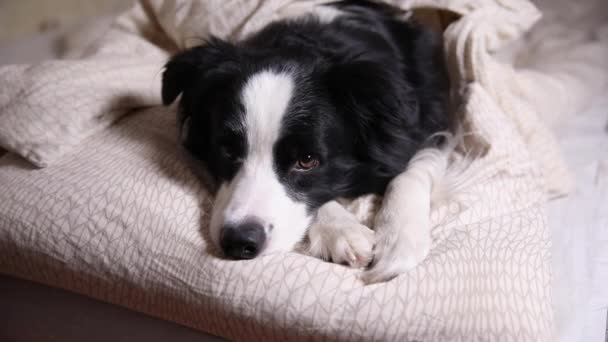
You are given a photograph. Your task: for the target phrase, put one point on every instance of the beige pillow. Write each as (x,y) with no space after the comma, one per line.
(123,219)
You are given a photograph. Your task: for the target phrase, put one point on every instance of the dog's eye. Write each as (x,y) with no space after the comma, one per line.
(307,162)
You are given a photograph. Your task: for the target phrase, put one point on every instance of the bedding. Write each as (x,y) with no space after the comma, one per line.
(577,222)
(120,220)
(579,228)
(116,214)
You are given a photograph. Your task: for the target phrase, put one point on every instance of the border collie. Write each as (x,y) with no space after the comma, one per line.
(340,103)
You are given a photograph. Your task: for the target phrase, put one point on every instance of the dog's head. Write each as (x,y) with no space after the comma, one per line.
(282,131)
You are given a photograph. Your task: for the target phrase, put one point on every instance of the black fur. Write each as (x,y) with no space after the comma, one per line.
(370,91)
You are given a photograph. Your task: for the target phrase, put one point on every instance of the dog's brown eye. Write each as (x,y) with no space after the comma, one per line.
(307,162)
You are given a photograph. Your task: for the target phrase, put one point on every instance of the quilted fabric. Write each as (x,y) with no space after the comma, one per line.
(118,215)
(120,220)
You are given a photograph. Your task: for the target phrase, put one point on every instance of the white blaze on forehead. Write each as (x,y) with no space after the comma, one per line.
(265,97)
(256,191)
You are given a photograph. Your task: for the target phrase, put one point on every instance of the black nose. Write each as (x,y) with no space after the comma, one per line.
(242,241)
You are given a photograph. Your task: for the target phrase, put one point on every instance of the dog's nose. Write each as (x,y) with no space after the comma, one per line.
(242,241)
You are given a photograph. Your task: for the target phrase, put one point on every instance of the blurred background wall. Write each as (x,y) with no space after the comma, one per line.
(20,19)
(32,31)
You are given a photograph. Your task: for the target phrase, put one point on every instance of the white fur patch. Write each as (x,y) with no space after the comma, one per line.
(256,192)
(403,226)
(336,234)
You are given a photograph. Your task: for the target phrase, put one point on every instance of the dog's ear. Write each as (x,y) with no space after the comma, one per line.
(372,94)
(183,69)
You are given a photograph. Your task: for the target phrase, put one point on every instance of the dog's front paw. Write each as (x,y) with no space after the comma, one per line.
(397,254)
(342,240)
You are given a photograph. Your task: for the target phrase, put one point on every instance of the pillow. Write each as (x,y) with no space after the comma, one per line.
(122,219)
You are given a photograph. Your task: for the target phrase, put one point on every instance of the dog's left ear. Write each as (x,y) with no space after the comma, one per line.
(177,76)
(185,68)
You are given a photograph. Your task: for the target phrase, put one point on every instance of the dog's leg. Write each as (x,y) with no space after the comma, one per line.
(402,225)
(337,235)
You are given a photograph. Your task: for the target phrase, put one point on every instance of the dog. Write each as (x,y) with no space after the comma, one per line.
(338,104)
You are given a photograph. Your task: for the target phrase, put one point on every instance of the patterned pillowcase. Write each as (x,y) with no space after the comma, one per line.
(123,219)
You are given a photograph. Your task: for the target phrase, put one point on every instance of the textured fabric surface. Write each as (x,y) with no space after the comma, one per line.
(118,215)
(120,220)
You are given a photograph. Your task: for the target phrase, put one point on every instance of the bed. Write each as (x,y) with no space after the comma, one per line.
(118,218)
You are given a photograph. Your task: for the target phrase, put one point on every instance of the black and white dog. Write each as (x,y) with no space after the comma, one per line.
(338,104)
